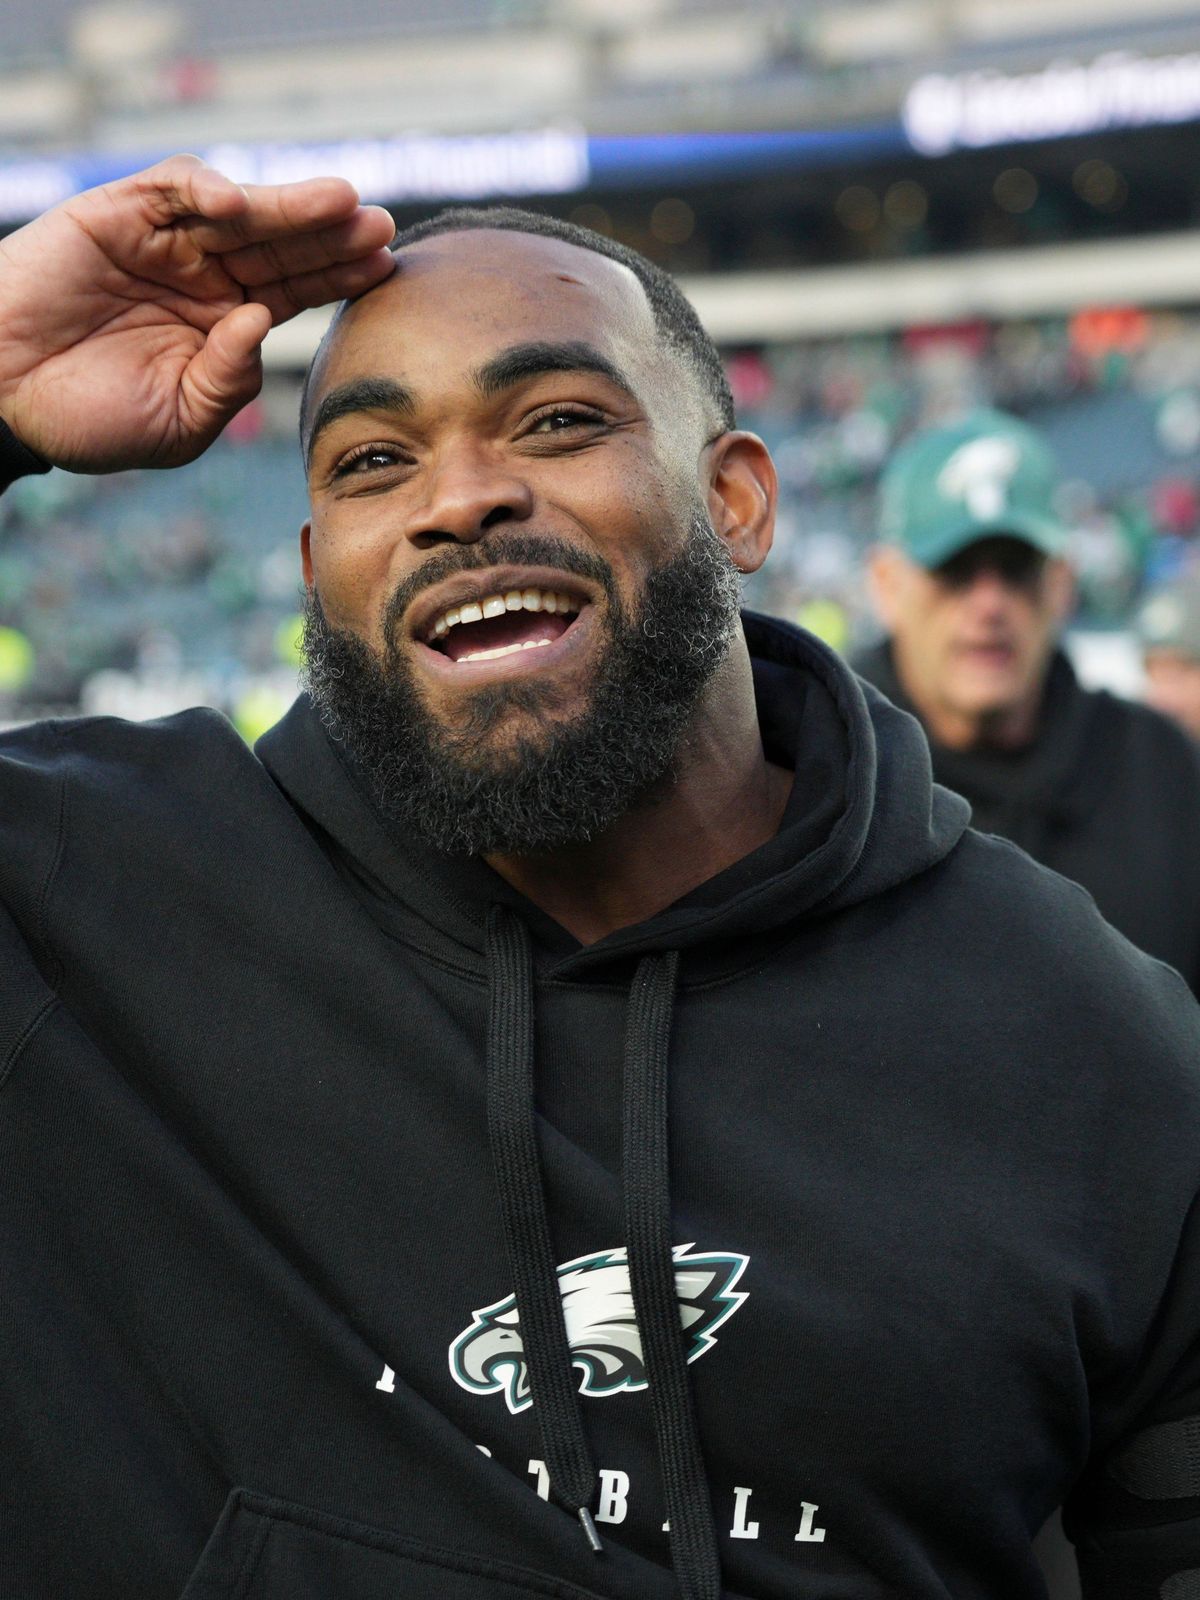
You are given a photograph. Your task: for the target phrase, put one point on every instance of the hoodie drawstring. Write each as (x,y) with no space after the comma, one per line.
(513,1136)
(512,1133)
(648,1238)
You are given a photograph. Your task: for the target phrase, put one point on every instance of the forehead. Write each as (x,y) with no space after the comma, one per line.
(458,298)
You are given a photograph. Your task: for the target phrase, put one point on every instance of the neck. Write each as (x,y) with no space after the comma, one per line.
(721,800)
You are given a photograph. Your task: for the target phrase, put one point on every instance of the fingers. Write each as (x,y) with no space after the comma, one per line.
(367,230)
(184,186)
(341,281)
(277,211)
(288,246)
(183,226)
(225,373)
(188,198)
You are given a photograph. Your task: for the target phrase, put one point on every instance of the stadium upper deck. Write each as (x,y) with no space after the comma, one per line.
(110,71)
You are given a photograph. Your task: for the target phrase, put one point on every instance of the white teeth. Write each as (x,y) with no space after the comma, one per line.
(504,650)
(495,605)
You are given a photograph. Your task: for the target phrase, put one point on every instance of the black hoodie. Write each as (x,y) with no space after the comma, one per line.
(933,1139)
(1108,793)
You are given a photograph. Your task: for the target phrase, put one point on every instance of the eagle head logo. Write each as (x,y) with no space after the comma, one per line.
(488,1357)
(980,473)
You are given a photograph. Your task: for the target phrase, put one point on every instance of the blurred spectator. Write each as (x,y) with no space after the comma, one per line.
(973,589)
(1168,628)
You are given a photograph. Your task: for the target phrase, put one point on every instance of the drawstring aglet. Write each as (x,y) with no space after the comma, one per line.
(589,1529)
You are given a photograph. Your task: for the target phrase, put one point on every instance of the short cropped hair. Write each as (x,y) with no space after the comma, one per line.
(674,316)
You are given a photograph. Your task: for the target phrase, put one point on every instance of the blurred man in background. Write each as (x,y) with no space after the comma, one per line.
(972,586)
(1168,628)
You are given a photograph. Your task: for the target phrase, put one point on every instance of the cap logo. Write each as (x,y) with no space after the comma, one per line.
(980,474)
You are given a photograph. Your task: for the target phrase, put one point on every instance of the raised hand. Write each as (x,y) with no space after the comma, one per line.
(132,316)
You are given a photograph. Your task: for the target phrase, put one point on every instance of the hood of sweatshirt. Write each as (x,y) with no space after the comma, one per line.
(864,815)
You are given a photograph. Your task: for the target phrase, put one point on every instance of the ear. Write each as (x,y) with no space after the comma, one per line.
(885,579)
(743,492)
(1060,588)
(306,555)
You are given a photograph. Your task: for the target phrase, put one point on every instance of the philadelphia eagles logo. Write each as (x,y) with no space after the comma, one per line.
(489,1356)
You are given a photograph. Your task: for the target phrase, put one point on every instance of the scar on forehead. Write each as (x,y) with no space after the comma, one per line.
(565,277)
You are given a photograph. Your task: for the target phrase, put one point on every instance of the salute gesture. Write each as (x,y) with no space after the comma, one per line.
(132,316)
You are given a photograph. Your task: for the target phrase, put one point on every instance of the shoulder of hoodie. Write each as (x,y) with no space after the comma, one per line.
(86,800)
(195,756)
(109,737)
(1034,949)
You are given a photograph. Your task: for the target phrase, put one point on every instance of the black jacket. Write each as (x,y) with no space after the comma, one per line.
(934,1146)
(1108,794)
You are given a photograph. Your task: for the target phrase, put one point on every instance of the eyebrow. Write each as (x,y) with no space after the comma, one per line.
(522,361)
(517,364)
(360,394)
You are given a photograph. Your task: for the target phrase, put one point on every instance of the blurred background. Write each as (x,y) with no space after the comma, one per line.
(884,210)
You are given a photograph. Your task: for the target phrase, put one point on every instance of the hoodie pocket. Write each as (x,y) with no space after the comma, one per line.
(264,1549)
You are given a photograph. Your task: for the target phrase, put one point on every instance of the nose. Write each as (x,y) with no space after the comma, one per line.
(469,492)
(989,589)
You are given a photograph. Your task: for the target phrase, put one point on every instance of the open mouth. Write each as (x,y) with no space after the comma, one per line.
(503,624)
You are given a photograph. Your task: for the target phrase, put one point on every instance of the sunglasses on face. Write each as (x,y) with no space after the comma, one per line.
(1017,564)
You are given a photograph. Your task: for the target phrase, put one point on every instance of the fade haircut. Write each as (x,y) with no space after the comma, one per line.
(675,318)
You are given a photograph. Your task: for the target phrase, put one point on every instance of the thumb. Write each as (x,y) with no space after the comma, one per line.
(226,371)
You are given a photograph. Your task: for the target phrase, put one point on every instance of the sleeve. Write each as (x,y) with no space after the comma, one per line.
(16,460)
(1135,1515)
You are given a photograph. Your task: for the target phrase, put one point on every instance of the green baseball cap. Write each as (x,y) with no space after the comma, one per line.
(1169,617)
(985,477)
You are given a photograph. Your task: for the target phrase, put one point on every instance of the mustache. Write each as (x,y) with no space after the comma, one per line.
(506,549)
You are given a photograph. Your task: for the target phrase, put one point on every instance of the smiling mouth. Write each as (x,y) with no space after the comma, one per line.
(503,624)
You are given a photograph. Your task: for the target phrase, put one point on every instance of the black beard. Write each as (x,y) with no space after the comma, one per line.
(574,777)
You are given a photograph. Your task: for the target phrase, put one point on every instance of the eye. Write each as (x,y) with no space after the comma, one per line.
(367,458)
(564,419)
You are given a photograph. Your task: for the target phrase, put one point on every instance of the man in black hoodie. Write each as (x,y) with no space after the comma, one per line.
(972,585)
(661,1150)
